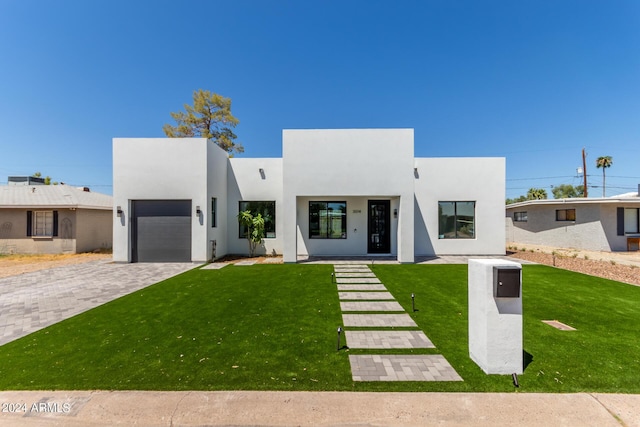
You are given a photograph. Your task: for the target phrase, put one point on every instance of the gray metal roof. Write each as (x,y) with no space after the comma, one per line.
(31,196)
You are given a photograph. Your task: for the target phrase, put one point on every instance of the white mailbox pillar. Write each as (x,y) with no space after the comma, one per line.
(495,315)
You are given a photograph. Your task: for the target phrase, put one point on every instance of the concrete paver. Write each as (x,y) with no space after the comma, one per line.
(352,269)
(347,280)
(32,301)
(371,306)
(362,287)
(352,274)
(215,266)
(365,296)
(387,339)
(378,320)
(424,367)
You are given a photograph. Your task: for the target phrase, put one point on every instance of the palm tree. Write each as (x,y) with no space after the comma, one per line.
(536,194)
(604,162)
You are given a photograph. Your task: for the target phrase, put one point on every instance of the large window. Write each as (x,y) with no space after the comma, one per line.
(565,215)
(328,220)
(520,217)
(456,220)
(268,211)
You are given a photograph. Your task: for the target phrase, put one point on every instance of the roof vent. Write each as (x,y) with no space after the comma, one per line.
(86,189)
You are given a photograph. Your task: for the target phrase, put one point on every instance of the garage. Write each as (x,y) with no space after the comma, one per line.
(161,231)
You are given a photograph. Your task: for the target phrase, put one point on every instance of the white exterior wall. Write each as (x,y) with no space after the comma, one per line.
(352,165)
(245,183)
(159,169)
(334,164)
(460,179)
(218,164)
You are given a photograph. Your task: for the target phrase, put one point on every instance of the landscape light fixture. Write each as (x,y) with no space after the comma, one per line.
(413,302)
(339,332)
(332,276)
(514,377)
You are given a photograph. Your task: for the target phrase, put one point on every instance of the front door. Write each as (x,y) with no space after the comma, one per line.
(379,227)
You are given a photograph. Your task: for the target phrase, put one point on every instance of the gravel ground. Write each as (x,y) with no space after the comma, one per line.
(12,265)
(620,266)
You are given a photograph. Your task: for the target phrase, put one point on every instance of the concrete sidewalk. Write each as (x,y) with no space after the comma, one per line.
(247,408)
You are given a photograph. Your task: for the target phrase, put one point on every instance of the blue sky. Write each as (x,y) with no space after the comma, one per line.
(532,81)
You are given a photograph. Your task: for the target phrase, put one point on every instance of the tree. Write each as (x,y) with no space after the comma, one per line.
(536,194)
(567,191)
(516,200)
(604,162)
(210,117)
(47,179)
(532,194)
(255,229)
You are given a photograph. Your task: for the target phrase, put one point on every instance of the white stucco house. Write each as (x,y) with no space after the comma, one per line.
(347,192)
(597,224)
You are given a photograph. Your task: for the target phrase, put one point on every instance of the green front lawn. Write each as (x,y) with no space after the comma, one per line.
(273,327)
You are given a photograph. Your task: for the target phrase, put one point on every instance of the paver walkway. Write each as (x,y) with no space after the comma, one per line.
(32,301)
(388,339)
(431,367)
(352,281)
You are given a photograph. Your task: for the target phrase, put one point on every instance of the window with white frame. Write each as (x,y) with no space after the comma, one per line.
(42,224)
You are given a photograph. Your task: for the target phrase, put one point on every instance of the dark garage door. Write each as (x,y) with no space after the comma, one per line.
(161,231)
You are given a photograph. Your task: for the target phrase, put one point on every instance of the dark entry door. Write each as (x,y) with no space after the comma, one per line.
(379,228)
(161,231)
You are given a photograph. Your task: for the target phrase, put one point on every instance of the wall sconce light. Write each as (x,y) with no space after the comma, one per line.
(262,175)
(119,211)
(198,211)
(395,213)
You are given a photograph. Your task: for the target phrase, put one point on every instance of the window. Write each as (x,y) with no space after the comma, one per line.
(631,224)
(327,220)
(267,210)
(456,220)
(565,215)
(520,217)
(42,223)
(214,208)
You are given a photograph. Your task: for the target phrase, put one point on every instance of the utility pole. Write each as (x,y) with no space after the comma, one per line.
(584,172)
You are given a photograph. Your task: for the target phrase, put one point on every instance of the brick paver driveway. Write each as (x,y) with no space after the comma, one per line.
(32,301)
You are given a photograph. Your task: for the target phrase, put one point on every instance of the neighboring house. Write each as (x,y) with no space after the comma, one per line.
(36,218)
(349,192)
(598,224)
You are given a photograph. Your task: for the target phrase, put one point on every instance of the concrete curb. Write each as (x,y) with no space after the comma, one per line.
(244,408)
